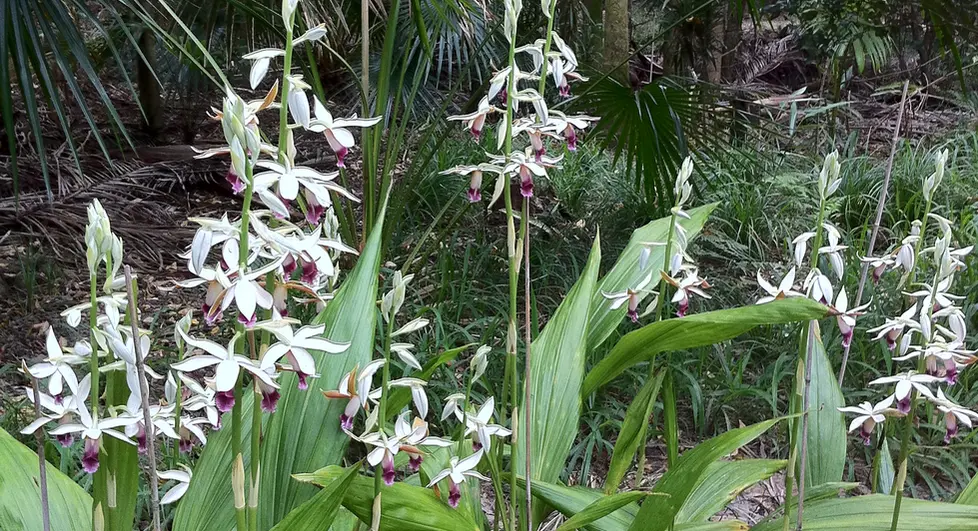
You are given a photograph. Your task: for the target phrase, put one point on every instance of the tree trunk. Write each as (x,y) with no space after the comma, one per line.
(149,87)
(731,41)
(616,37)
(715,44)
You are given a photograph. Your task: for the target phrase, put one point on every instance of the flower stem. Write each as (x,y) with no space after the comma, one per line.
(527,381)
(93,325)
(382,407)
(154,491)
(283,113)
(255,441)
(668,391)
(41,462)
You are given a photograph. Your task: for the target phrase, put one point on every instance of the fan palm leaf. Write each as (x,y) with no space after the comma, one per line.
(44,54)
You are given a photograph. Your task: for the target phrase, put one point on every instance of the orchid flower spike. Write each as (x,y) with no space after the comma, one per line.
(953,415)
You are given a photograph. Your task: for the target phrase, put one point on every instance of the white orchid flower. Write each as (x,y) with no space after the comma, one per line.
(481,428)
(295,346)
(953,415)
(453,406)
(475,173)
(160,419)
(415,435)
(475,121)
(818,286)
(892,328)
(480,361)
(457,472)
(245,292)
(59,410)
(355,387)
(261,61)
(785,288)
(228,367)
(799,247)
(535,130)
(418,395)
(868,416)
(631,295)
(879,265)
(92,429)
(905,383)
(57,367)
(403,351)
(951,355)
(568,126)
(846,317)
(689,284)
(182,476)
(337,131)
(385,448)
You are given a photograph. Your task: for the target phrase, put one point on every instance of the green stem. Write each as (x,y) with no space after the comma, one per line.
(908,424)
(283,113)
(93,325)
(382,407)
(669,415)
(240,514)
(460,435)
(255,441)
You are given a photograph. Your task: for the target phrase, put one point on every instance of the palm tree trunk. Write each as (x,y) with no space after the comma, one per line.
(616,37)
(149,87)
(731,40)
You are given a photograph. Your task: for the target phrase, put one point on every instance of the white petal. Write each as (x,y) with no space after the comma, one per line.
(258,70)
(226,376)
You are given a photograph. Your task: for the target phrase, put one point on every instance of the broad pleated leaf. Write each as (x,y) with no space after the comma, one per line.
(969,496)
(122,460)
(632,432)
(20,492)
(721,483)
(680,481)
(887,473)
(304,434)
(403,507)
(874,512)
(600,508)
(572,500)
(626,274)
(696,330)
(558,369)
(318,513)
(826,424)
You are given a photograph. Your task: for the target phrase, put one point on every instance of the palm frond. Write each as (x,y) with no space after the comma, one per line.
(654,128)
(44,56)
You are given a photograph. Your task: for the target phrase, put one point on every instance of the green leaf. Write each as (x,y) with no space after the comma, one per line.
(826,424)
(403,507)
(400,396)
(874,512)
(304,434)
(600,508)
(632,432)
(20,492)
(696,330)
(319,512)
(969,496)
(558,368)
(121,460)
(887,473)
(721,483)
(603,321)
(681,480)
(572,500)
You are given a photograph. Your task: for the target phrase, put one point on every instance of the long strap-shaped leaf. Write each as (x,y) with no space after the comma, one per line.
(873,513)
(632,432)
(626,274)
(659,512)
(319,512)
(304,434)
(403,507)
(20,494)
(558,368)
(826,424)
(696,330)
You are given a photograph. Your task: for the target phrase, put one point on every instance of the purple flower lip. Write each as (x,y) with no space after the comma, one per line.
(454,495)
(415,463)
(346,422)
(90,456)
(224,401)
(65,439)
(269,401)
